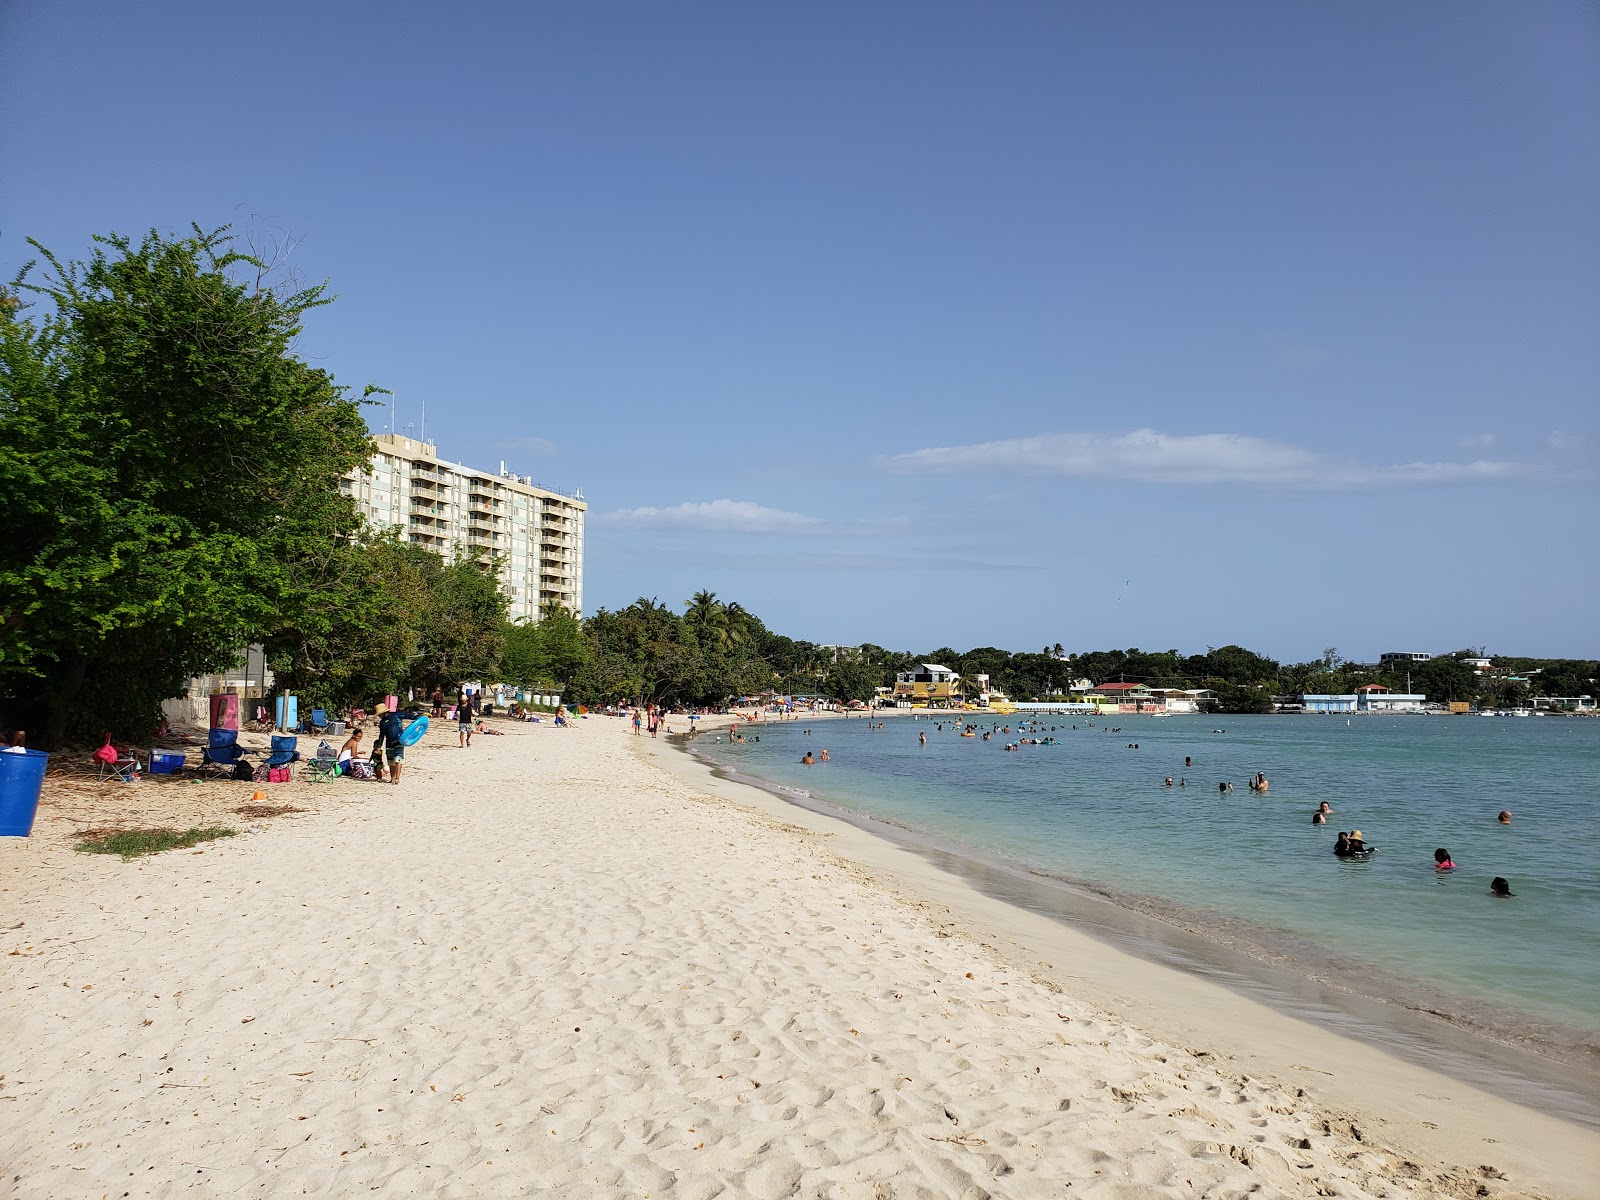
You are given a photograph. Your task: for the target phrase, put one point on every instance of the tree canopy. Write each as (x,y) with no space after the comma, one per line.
(169,469)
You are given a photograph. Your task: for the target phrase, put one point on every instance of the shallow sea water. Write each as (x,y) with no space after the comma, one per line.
(1252,872)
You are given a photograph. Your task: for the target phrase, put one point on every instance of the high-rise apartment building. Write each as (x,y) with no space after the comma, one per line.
(454,510)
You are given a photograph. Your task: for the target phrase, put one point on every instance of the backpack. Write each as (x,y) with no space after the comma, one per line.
(243,772)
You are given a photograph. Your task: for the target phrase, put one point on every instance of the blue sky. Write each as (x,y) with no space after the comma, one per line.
(1148,324)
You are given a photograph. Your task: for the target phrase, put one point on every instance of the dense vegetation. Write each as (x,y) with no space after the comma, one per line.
(169,470)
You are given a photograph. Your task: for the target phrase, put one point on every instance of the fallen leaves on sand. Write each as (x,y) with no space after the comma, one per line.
(256,812)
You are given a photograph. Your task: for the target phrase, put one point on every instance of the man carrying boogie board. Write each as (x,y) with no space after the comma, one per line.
(388,755)
(394,735)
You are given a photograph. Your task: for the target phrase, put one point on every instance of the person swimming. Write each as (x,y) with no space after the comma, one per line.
(1319,817)
(1505,816)
(1168,782)
(1499,887)
(1441,860)
(825,756)
(1350,845)
(808,760)
(1259,783)
(1325,808)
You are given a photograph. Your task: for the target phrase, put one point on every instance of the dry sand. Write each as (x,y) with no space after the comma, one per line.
(568,961)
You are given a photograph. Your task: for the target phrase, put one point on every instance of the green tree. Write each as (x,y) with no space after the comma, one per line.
(461,633)
(167,466)
(852,680)
(547,653)
(359,639)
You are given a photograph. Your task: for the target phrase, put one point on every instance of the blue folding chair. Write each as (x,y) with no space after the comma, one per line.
(222,754)
(318,721)
(283,750)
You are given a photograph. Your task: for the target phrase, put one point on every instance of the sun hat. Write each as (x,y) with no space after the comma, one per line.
(1355,834)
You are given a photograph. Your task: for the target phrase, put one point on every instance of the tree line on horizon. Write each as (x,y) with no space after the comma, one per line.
(170,469)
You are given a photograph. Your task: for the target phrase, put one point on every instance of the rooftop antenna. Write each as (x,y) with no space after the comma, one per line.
(424,418)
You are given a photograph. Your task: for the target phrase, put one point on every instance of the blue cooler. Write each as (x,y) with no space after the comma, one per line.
(21,777)
(165,762)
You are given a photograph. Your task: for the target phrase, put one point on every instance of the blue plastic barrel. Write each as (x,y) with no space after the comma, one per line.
(21,777)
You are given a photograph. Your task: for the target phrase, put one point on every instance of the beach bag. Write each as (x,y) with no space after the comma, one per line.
(243,772)
(359,770)
(107,753)
(261,774)
(278,775)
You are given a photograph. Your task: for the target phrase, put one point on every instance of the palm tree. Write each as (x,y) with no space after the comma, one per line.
(736,624)
(708,617)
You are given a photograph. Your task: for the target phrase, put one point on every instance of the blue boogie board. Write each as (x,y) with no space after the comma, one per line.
(412,733)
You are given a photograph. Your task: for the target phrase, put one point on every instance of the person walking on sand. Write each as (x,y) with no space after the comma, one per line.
(438,702)
(465,708)
(387,747)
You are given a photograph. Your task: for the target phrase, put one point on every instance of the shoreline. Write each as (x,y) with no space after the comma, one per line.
(1436,1113)
(1407,1020)
(566,961)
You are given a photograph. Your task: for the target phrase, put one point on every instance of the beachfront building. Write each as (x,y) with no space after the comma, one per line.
(1324,703)
(1126,698)
(1583,704)
(929,685)
(458,512)
(1182,700)
(1374,697)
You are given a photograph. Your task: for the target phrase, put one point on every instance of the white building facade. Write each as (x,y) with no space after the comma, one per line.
(457,511)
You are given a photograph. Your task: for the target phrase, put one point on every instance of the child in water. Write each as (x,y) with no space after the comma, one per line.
(1500,888)
(1441,860)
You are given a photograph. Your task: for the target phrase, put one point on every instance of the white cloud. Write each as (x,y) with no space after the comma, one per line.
(1146,456)
(1561,439)
(1476,441)
(722,516)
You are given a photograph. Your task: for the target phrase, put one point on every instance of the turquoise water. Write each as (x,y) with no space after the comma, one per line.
(1252,870)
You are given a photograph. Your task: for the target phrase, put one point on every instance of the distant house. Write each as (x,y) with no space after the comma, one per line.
(1401,658)
(1374,697)
(1326,703)
(929,685)
(1478,665)
(1125,697)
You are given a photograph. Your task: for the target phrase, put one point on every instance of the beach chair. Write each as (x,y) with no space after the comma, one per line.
(283,750)
(317,722)
(324,766)
(111,763)
(222,754)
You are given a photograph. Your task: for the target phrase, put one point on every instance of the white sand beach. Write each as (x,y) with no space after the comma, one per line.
(569,961)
